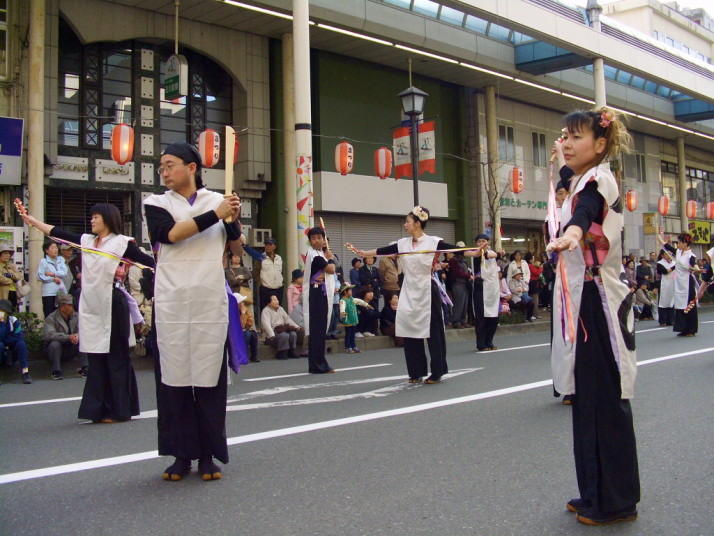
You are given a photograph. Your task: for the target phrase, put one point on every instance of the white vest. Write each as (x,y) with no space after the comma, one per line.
(329,289)
(682,276)
(666,286)
(491,286)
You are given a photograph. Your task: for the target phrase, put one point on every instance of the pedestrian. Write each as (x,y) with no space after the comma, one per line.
(250,335)
(665,305)
(642,299)
(630,272)
(419,315)
(643,272)
(368,316)
(104,324)
(238,276)
(188,228)
(389,276)
(9,274)
(517,262)
(458,276)
(295,289)
(535,284)
(50,271)
(271,274)
(388,320)
(369,280)
(60,335)
(350,316)
(686,320)
(67,253)
(281,332)
(593,349)
(487,293)
(317,299)
(520,297)
(332,330)
(12,338)
(354,272)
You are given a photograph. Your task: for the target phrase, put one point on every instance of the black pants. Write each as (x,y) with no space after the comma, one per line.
(48,305)
(317,364)
(665,315)
(110,390)
(368,320)
(603,433)
(414,348)
(485,331)
(192,420)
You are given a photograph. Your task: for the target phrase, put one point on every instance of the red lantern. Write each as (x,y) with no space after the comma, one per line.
(383,162)
(344,157)
(691,208)
(631,200)
(122,143)
(710,210)
(209,147)
(663,205)
(516,180)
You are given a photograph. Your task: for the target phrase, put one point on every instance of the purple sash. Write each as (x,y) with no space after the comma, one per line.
(237,351)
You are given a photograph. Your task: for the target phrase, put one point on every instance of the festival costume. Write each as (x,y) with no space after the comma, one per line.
(593,349)
(419,313)
(486,297)
(105,330)
(685,291)
(317,296)
(665,303)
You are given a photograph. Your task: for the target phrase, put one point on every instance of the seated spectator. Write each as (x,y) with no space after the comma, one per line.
(504,306)
(61,337)
(250,336)
(519,295)
(280,330)
(642,300)
(368,316)
(295,290)
(238,278)
(388,320)
(9,274)
(350,316)
(354,272)
(643,272)
(11,338)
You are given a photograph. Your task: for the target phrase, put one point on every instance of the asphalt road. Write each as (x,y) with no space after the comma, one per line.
(362,452)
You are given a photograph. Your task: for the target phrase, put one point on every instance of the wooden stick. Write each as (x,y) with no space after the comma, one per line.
(230,138)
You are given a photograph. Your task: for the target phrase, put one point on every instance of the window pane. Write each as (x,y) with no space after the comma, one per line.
(426,7)
(451,15)
(498,32)
(399,3)
(476,24)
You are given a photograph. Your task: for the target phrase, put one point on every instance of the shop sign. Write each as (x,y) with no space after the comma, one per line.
(71,168)
(11,130)
(521,203)
(176,81)
(649,222)
(110,171)
(700,231)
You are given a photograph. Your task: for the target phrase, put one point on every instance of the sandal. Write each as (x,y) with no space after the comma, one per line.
(209,470)
(415,380)
(175,472)
(431,380)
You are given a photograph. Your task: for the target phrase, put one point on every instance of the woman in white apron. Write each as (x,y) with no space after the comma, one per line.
(105,330)
(419,313)
(593,349)
(686,319)
(665,304)
(486,294)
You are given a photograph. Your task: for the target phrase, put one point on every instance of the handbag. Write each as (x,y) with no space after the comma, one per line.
(22,288)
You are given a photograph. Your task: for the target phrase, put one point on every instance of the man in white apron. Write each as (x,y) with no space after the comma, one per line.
(486,294)
(191,312)
(665,304)
(686,319)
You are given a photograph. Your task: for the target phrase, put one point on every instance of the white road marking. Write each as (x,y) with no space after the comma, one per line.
(34,402)
(293,430)
(264,378)
(648,330)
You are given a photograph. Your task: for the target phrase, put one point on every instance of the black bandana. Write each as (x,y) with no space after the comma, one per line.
(185,152)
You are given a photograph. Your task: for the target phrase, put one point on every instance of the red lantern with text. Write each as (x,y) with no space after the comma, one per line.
(344,157)
(631,200)
(383,162)
(516,180)
(209,147)
(122,143)
(710,210)
(691,208)
(663,205)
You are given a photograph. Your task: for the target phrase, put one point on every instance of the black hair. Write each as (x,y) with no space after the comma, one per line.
(528,257)
(422,223)
(47,245)
(110,214)
(685,237)
(355,260)
(315,231)
(604,123)
(188,154)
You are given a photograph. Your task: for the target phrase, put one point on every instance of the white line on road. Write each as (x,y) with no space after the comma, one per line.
(34,402)
(293,430)
(262,379)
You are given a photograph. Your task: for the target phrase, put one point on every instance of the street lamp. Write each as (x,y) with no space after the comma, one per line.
(413,106)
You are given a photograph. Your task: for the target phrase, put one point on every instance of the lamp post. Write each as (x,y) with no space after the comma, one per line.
(413,106)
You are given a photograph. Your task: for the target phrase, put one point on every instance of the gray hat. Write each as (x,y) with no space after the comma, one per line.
(64,299)
(5,246)
(65,246)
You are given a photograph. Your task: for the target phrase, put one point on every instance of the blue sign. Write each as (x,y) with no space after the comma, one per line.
(11,130)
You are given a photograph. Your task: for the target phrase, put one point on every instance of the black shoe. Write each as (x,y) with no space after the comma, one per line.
(57,375)
(577,505)
(254,360)
(83,371)
(433,379)
(588,517)
(293,355)
(281,355)
(209,470)
(26,378)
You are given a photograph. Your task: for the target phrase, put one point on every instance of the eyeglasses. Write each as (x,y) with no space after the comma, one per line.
(168,168)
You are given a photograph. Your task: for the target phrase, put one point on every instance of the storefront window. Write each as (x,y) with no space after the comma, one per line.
(669,188)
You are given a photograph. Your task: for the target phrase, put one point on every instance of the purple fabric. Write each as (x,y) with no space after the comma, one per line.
(237,350)
(191,200)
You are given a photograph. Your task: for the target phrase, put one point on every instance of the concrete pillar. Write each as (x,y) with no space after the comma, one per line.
(35,144)
(303,118)
(599,81)
(291,238)
(682,183)
(493,193)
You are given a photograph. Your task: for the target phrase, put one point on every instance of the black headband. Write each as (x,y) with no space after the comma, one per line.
(482,237)
(184,151)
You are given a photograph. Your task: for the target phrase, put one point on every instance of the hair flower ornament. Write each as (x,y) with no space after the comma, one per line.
(605,119)
(420,213)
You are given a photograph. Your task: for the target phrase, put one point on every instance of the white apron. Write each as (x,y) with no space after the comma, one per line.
(95,300)
(491,286)
(329,289)
(414,309)
(666,286)
(614,292)
(681,278)
(190,296)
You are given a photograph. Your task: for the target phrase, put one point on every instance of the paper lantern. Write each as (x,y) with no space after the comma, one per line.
(691,208)
(344,157)
(516,180)
(710,210)
(663,205)
(631,200)
(383,162)
(122,143)
(209,147)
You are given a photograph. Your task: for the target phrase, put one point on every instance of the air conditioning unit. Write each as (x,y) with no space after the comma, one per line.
(259,236)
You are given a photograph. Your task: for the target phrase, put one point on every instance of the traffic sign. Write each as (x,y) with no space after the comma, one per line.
(11,130)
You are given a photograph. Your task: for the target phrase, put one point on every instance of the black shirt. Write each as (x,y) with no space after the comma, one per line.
(590,204)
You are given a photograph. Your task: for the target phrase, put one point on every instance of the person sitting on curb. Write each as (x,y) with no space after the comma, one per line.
(280,330)
(249,334)
(61,337)
(11,337)
(519,295)
(368,316)
(350,316)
